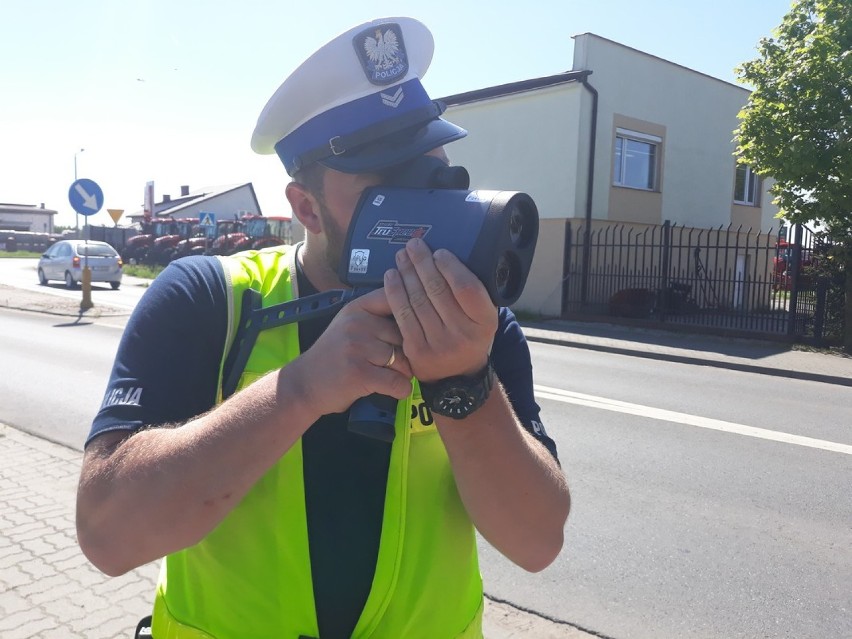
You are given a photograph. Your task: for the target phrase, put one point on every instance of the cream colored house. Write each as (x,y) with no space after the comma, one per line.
(623,138)
(26,217)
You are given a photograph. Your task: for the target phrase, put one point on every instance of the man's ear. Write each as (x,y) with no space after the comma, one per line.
(305,207)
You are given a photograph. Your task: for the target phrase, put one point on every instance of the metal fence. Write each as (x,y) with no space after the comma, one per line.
(116,236)
(726,279)
(11,240)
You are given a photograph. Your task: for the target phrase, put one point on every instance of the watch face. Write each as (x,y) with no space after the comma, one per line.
(457,402)
(457,397)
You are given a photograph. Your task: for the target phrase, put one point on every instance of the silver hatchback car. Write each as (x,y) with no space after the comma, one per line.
(65,261)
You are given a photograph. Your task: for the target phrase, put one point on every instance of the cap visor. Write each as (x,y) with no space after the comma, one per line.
(396,148)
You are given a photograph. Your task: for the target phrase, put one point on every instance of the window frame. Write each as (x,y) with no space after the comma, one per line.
(751,179)
(619,168)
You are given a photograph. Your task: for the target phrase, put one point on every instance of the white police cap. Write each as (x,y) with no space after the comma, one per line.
(357,105)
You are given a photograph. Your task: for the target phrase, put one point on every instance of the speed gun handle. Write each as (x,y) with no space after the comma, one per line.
(374,416)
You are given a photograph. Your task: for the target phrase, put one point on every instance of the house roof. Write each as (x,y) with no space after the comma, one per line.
(175,205)
(658,58)
(515,87)
(25,208)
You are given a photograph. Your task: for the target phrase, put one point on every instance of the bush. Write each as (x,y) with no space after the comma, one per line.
(829,271)
(148,271)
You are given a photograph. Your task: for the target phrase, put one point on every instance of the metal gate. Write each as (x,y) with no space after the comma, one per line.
(727,279)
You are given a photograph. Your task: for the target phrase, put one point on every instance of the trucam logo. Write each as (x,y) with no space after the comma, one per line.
(396,233)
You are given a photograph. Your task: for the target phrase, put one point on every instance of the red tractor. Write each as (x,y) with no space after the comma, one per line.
(196,244)
(162,249)
(229,233)
(261,232)
(137,247)
(782,264)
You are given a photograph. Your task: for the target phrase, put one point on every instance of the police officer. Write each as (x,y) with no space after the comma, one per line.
(274,519)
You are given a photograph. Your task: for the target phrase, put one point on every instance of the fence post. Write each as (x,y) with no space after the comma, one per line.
(794,267)
(566,268)
(819,311)
(663,294)
(587,261)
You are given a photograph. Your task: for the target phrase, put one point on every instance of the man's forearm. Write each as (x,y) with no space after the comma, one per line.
(163,489)
(512,488)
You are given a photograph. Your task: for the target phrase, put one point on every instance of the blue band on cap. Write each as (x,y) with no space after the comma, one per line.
(321,131)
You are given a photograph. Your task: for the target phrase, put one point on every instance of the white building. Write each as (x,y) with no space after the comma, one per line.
(26,217)
(624,137)
(226,202)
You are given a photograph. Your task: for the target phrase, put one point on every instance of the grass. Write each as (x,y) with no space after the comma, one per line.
(13,254)
(142,270)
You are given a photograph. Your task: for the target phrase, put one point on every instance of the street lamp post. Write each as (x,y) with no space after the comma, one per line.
(77,218)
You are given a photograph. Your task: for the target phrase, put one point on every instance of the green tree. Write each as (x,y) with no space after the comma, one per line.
(797,125)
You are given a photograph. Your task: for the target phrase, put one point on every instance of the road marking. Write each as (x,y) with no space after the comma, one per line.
(605,403)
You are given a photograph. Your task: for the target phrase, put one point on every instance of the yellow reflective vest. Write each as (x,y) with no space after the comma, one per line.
(250,578)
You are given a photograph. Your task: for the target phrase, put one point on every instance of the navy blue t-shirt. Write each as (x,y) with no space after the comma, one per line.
(166,371)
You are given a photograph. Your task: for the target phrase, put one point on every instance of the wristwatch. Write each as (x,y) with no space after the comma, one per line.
(459,396)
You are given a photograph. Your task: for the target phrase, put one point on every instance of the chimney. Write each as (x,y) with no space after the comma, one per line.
(184,190)
(42,205)
(166,198)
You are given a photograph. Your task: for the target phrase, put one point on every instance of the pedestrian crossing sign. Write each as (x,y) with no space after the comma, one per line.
(207,219)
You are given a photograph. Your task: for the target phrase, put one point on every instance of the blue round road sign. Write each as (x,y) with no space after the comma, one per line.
(86,197)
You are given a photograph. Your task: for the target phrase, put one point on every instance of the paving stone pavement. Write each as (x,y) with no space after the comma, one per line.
(47,587)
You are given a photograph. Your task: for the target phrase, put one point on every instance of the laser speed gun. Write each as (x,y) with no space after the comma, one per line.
(494,233)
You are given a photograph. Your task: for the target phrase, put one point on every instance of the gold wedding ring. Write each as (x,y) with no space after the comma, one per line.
(392,357)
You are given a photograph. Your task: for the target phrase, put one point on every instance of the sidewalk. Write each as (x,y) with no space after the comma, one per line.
(49,590)
(750,355)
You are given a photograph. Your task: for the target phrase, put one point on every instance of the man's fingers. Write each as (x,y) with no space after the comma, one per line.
(411,263)
(469,293)
(374,302)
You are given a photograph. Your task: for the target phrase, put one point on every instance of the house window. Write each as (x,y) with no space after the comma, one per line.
(636,159)
(746,186)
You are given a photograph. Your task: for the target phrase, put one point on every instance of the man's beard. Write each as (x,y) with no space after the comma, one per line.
(334,237)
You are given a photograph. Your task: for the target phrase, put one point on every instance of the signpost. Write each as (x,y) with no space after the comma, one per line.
(208,221)
(115,214)
(86,198)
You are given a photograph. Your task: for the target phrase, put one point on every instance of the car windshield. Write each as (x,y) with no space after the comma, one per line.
(96,250)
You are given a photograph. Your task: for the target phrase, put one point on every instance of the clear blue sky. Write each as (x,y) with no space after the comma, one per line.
(169,90)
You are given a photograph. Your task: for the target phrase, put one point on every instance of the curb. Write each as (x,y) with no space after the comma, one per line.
(697,361)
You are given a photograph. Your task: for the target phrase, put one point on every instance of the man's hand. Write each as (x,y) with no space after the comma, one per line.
(444,313)
(350,359)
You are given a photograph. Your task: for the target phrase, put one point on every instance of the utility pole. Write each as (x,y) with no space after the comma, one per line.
(77,218)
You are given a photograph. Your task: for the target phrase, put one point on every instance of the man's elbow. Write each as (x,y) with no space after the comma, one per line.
(544,553)
(102,544)
(549,545)
(98,549)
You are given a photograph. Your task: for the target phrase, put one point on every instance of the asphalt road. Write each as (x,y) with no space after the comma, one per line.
(685,531)
(681,526)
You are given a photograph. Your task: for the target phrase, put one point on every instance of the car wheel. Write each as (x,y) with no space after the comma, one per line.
(115,285)
(41,278)
(69,280)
